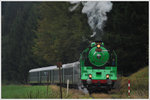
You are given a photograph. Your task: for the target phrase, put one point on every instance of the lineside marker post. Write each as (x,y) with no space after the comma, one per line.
(67,86)
(128,88)
(59,65)
(47,82)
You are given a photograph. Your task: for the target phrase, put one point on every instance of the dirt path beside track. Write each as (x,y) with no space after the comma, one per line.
(103,95)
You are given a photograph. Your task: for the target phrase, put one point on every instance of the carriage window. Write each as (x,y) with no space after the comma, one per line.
(33,74)
(44,73)
(68,71)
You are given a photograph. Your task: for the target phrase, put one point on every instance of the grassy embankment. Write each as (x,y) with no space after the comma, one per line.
(138,84)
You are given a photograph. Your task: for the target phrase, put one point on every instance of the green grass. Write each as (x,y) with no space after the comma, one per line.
(27,91)
(24,91)
(138,84)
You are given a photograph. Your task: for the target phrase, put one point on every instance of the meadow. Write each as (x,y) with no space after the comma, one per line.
(28,91)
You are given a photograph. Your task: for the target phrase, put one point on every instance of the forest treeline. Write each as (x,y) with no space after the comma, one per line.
(38,34)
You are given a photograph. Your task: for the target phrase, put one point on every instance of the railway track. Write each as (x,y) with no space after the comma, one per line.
(83,93)
(101,94)
(104,94)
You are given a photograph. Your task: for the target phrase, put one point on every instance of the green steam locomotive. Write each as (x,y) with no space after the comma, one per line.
(98,67)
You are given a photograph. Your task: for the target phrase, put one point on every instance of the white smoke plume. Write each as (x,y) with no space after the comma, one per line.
(96,12)
(75,6)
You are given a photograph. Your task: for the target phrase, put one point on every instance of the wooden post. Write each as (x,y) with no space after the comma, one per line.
(47,81)
(67,86)
(59,65)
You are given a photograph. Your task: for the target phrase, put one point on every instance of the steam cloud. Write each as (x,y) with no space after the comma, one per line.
(97,14)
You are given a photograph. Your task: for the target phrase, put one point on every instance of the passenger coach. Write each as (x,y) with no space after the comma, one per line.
(50,74)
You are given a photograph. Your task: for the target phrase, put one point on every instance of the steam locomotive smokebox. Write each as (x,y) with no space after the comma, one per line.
(98,58)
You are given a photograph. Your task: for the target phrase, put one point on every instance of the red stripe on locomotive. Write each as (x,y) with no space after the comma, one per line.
(99,81)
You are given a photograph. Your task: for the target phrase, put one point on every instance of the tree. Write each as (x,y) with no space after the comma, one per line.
(60,32)
(17,41)
(127,33)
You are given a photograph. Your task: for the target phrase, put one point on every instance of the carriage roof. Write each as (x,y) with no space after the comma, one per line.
(69,65)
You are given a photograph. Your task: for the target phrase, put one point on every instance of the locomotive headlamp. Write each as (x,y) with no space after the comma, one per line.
(107,76)
(98,46)
(90,76)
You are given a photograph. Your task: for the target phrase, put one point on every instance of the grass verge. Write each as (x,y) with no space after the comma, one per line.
(138,85)
(27,91)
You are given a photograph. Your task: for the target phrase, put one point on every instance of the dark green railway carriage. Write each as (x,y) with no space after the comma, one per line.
(98,66)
